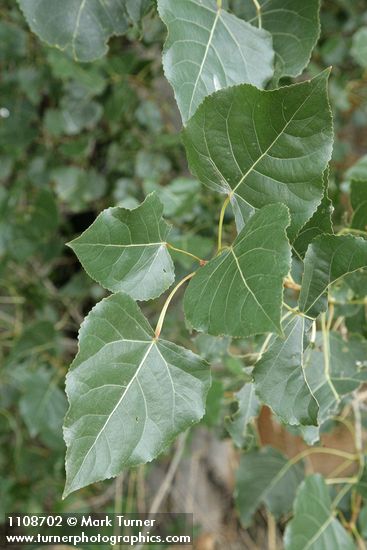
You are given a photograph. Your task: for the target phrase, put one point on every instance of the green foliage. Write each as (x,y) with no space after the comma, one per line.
(358,199)
(314,523)
(294,27)
(359,47)
(266,477)
(239,293)
(264,145)
(334,368)
(81,28)
(247,411)
(126,250)
(208,49)
(90,155)
(112,387)
(280,378)
(328,259)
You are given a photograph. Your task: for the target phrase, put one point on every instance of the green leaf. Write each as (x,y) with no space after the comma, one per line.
(125,250)
(81,28)
(196,244)
(37,337)
(137,9)
(295,28)
(78,187)
(214,404)
(239,292)
(13,40)
(262,147)
(130,394)
(43,407)
(314,526)
(328,258)
(335,368)
(280,379)
(208,49)
(266,477)
(358,199)
(178,197)
(90,77)
(212,348)
(319,223)
(78,111)
(359,47)
(248,409)
(358,171)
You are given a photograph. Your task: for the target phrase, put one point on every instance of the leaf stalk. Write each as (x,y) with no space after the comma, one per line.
(162,315)
(221,219)
(353,231)
(181,251)
(258,13)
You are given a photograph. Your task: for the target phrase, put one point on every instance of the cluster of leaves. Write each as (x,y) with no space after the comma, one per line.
(286,286)
(74,139)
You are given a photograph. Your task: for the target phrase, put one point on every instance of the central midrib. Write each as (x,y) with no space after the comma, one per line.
(204,58)
(270,146)
(134,377)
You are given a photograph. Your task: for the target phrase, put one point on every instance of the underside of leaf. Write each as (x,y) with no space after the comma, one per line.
(208,49)
(129,393)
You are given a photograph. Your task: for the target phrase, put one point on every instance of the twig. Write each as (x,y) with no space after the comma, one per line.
(167,482)
(272,531)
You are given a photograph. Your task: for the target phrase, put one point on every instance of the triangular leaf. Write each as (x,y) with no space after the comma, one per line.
(248,409)
(314,526)
(280,379)
(129,393)
(334,368)
(208,49)
(79,27)
(239,292)
(328,258)
(125,250)
(266,477)
(262,147)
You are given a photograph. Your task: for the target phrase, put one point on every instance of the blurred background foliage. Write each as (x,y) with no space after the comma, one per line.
(75,139)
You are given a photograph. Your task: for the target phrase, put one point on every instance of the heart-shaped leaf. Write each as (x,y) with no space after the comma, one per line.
(262,147)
